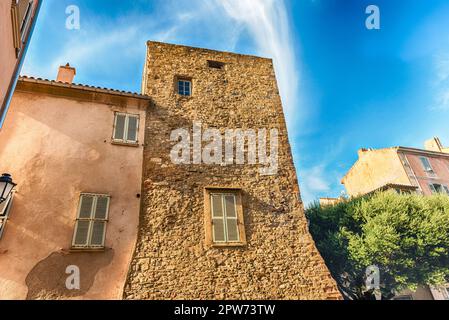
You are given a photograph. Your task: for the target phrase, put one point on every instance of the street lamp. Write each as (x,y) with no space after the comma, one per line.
(6,186)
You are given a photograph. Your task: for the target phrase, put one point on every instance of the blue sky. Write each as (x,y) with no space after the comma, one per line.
(343,86)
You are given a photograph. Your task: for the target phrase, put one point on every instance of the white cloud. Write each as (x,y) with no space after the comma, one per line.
(268,22)
(441,84)
(217,24)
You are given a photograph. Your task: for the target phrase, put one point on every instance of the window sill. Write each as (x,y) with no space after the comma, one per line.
(228,245)
(125,144)
(77,250)
(183,97)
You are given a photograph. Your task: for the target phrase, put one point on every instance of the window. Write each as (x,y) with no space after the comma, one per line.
(126,128)
(90,227)
(5,207)
(184,87)
(21,12)
(215,64)
(438,188)
(224,218)
(426,166)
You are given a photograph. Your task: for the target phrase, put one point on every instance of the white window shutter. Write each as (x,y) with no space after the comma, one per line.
(231,218)
(85,210)
(432,188)
(132,128)
(119,130)
(98,233)
(81,233)
(101,209)
(218,225)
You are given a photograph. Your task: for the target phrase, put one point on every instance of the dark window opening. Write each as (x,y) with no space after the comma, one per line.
(184,87)
(215,64)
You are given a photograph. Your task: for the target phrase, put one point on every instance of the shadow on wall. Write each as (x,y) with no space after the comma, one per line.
(47,279)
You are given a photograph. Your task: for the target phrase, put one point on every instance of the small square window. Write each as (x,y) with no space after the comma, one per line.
(126,128)
(224,218)
(184,87)
(92,217)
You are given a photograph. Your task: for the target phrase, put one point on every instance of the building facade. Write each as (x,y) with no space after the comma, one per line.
(404,169)
(17,19)
(216,228)
(77,201)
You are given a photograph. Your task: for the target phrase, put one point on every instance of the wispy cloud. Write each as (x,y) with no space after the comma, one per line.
(258,26)
(441,84)
(268,22)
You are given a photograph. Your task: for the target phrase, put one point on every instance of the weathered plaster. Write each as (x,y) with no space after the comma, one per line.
(172,258)
(56,147)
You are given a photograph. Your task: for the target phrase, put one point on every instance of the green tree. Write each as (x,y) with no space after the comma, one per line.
(405,236)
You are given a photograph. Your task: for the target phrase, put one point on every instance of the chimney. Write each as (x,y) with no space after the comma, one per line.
(435,144)
(362,151)
(66,74)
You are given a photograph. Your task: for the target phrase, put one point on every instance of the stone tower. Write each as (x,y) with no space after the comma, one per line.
(221,230)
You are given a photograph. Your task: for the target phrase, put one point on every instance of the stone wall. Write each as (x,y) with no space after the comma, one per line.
(172,260)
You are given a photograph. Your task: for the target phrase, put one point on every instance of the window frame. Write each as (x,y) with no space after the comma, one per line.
(4,214)
(125,140)
(429,171)
(443,188)
(21,25)
(216,65)
(208,217)
(185,80)
(91,220)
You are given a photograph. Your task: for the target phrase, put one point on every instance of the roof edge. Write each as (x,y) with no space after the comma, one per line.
(76,86)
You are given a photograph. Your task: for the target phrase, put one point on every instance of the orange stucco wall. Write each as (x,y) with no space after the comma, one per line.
(7,52)
(374,169)
(56,149)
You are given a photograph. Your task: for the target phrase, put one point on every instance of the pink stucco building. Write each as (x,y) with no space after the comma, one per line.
(76,153)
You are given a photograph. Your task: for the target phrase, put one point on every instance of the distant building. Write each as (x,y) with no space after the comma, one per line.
(425,171)
(403,169)
(327,202)
(17,19)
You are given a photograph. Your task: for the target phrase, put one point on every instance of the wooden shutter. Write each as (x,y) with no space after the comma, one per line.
(231,218)
(81,233)
(98,233)
(133,123)
(101,210)
(119,129)
(81,236)
(218,226)
(86,205)
(90,228)
(426,164)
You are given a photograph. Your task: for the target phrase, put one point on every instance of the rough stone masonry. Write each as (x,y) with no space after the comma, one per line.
(172,259)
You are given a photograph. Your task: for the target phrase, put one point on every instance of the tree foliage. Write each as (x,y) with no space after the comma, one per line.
(405,236)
